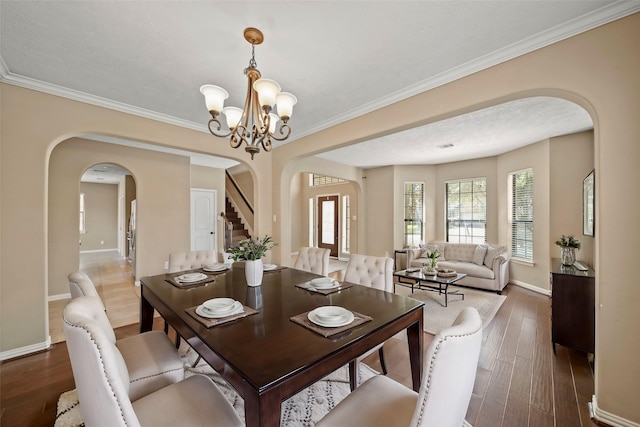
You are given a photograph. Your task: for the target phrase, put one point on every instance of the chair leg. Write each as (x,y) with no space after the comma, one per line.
(196,362)
(166,327)
(382,364)
(353,374)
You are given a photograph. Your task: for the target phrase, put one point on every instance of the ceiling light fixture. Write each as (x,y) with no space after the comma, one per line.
(256,123)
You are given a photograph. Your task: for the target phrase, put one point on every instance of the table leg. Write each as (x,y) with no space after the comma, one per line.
(414,337)
(146,314)
(263,410)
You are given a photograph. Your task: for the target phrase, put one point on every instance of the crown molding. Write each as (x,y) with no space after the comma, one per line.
(7,76)
(604,15)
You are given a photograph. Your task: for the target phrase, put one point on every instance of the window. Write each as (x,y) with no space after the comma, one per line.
(466,202)
(315,180)
(521,206)
(413,213)
(83,229)
(346,227)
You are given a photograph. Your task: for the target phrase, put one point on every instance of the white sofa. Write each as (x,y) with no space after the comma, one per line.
(486,266)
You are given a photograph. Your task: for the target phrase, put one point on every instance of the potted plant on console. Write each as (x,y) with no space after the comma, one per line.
(568,245)
(251,251)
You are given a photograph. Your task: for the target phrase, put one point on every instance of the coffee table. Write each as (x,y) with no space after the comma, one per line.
(428,282)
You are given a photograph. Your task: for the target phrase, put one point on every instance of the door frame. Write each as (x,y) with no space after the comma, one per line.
(318,221)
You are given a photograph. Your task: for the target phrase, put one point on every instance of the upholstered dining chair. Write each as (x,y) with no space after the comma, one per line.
(152,359)
(375,272)
(80,284)
(102,380)
(314,260)
(449,373)
(180,261)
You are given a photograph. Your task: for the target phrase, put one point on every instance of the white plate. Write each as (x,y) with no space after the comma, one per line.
(214,267)
(219,305)
(200,311)
(324,283)
(269,267)
(343,321)
(191,277)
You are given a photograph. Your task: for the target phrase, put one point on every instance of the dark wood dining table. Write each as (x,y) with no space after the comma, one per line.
(268,358)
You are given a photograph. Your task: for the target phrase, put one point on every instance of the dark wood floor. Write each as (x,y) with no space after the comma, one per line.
(520,382)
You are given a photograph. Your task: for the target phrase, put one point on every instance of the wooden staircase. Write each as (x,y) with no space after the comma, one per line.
(238,232)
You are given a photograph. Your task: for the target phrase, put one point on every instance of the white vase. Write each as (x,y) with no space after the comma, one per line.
(253,270)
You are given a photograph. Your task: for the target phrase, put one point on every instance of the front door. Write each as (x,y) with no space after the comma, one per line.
(203,220)
(328,223)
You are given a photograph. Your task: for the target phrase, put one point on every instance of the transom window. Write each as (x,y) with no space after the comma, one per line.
(316,180)
(521,214)
(466,201)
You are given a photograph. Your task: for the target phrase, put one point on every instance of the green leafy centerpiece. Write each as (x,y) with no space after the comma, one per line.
(430,266)
(251,251)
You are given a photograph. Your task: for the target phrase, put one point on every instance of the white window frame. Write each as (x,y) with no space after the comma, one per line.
(521,247)
(83,220)
(473,214)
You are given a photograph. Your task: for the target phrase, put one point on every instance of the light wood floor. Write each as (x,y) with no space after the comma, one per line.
(520,382)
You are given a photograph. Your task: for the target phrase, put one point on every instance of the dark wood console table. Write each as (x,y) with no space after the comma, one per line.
(573,307)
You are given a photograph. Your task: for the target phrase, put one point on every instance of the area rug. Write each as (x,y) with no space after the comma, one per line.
(438,317)
(304,409)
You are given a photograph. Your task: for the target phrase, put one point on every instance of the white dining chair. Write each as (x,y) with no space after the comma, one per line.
(313,260)
(80,284)
(180,261)
(374,272)
(450,367)
(152,359)
(101,374)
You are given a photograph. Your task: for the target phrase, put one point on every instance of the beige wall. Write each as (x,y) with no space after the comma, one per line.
(571,160)
(33,123)
(597,70)
(162,204)
(378,212)
(101,216)
(207,178)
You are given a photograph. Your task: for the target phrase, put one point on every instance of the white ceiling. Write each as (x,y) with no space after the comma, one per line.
(341,59)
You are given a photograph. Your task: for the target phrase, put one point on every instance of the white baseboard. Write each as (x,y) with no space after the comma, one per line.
(608,418)
(91,251)
(58,297)
(530,287)
(23,351)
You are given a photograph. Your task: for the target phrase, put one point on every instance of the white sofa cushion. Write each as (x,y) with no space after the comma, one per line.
(492,253)
(469,269)
(479,254)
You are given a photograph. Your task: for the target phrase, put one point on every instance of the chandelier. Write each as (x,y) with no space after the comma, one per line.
(256,124)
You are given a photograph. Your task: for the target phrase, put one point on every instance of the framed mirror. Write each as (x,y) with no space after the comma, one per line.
(588,205)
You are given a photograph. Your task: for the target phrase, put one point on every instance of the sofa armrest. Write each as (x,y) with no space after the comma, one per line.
(412,254)
(501,269)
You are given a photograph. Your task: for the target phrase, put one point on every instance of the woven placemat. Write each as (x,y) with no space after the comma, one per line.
(209,323)
(309,287)
(303,320)
(172,279)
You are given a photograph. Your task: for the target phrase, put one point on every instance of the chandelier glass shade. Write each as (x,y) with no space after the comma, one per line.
(257,124)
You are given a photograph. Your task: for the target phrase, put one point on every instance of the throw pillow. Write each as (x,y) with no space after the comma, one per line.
(479,254)
(492,253)
(428,249)
(441,250)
